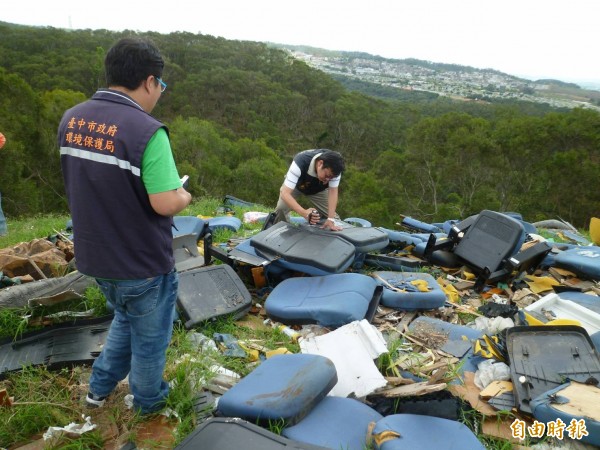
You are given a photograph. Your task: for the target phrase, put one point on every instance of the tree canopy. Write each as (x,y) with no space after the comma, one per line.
(238,111)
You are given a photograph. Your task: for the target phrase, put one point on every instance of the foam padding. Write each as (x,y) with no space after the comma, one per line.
(330,301)
(282,387)
(418,432)
(410,291)
(336,423)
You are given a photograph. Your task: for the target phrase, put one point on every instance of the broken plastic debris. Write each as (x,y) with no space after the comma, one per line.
(595,230)
(352,349)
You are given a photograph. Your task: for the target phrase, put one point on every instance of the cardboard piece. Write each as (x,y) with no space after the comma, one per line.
(470,392)
(496,388)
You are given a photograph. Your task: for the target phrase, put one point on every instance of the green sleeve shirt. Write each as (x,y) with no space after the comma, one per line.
(159,172)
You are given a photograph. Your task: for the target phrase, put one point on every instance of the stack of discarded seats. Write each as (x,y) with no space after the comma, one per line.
(291,391)
(316,276)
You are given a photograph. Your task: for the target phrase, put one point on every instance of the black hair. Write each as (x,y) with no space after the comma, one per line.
(130,61)
(332,160)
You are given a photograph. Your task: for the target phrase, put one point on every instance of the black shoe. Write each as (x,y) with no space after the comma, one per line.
(94,401)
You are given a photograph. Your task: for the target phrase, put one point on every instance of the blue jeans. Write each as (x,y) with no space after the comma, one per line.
(137,340)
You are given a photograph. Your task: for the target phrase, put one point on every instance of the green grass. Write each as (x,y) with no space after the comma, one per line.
(41,226)
(15,321)
(42,400)
(28,229)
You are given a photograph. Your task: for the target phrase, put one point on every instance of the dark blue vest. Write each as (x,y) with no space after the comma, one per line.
(117,234)
(307,184)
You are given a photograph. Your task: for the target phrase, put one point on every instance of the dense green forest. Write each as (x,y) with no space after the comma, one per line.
(237,112)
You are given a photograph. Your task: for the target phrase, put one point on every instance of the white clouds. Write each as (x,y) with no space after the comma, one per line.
(523,37)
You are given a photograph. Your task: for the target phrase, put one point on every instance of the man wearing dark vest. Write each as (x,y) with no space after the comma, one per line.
(123,189)
(316,174)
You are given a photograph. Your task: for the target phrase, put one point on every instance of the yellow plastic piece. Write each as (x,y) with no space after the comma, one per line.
(540,284)
(449,290)
(536,322)
(595,230)
(277,351)
(421,285)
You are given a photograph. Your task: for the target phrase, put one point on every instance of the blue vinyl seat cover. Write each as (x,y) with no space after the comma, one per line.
(402,238)
(408,296)
(418,432)
(583,260)
(420,225)
(330,301)
(229,223)
(282,387)
(187,225)
(336,423)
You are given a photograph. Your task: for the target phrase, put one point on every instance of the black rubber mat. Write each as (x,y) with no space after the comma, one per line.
(65,345)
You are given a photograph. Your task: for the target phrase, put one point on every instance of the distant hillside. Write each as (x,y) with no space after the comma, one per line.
(420,139)
(360,71)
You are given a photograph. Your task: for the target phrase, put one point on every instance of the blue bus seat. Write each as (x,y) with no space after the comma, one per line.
(330,301)
(282,387)
(409,291)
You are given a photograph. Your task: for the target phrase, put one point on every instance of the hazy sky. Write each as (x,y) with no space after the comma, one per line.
(529,38)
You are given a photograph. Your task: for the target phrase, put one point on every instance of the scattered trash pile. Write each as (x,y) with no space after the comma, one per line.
(402,333)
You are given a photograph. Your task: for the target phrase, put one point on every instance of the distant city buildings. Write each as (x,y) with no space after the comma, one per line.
(470,83)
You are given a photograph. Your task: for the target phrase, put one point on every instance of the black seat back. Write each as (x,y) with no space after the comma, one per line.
(490,241)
